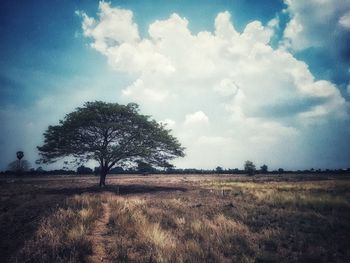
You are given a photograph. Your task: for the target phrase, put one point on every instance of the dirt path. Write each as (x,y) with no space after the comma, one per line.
(98,237)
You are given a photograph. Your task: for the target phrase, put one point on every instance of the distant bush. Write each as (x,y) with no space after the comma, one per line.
(84,170)
(264,169)
(249,167)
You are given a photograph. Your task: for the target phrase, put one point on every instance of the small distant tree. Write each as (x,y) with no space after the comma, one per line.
(144,168)
(84,170)
(280,170)
(249,167)
(116,170)
(264,169)
(111,134)
(19,166)
(219,170)
(40,170)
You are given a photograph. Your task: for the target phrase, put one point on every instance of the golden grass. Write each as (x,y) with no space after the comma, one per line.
(215,220)
(63,237)
(250,222)
(127,214)
(318,195)
(190,241)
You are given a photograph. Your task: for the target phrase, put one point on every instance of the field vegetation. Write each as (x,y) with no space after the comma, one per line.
(176,219)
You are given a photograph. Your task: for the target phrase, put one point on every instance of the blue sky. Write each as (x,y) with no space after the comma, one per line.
(262,80)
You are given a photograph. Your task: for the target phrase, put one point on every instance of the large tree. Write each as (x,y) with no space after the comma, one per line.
(112,134)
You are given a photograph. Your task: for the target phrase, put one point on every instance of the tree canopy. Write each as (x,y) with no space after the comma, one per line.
(112,134)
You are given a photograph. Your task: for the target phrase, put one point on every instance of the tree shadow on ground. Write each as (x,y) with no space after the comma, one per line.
(116,189)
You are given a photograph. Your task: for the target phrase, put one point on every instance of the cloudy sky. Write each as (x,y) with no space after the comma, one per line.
(267,81)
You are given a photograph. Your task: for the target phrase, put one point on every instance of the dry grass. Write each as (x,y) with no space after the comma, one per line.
(187,219)
(63,237)
(314,195)
(144,232)
(222,220)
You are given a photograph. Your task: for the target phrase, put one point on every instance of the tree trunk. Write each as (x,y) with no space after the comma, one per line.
(103,175)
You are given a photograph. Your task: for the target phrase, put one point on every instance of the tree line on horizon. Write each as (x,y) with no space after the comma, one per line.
(145,169)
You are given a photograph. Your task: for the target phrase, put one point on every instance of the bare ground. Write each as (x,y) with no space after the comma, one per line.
(99,238)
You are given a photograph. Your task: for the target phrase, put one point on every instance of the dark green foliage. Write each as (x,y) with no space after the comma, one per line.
(219,170)
(264,169)
(143,167)
(110,134)
(19,155)
(84,170)
(249,167)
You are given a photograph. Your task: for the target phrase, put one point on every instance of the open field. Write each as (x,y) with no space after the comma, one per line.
(158,218)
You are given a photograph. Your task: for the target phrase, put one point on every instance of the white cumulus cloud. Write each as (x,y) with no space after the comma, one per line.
(114,26)
(197,118)
(257,97)
(316,23)
(344,21)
